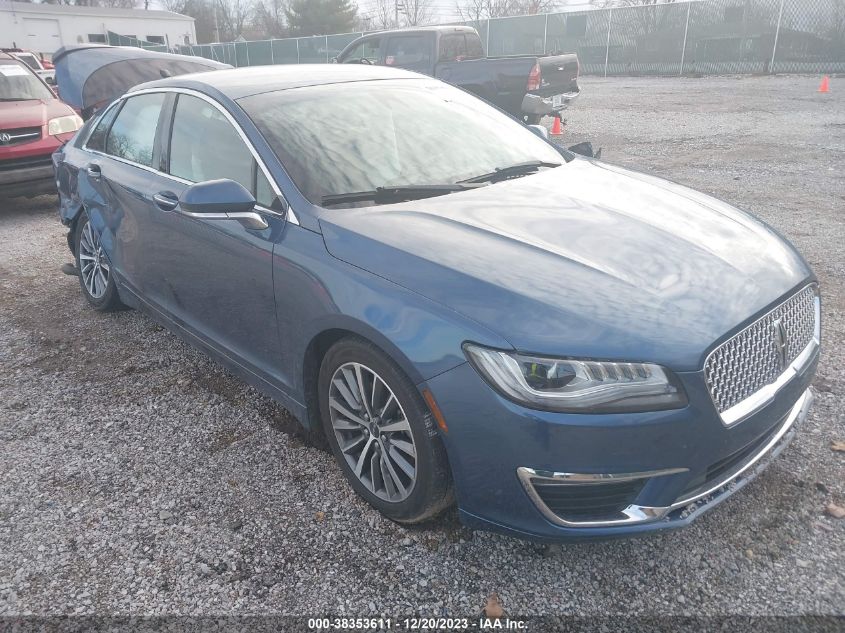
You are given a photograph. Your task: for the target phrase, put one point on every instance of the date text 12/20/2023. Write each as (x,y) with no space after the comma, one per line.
(416,624)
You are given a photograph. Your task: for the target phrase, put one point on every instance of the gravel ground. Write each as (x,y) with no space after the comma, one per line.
(138,477)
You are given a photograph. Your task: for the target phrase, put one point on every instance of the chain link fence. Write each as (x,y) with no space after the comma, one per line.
(674,38)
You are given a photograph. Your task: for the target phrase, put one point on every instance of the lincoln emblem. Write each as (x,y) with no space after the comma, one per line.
(780,342)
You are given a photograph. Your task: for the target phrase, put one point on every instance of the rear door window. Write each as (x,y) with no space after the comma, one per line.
(409,51)
(474,48)
(132,135)
(97,140)
(452,47)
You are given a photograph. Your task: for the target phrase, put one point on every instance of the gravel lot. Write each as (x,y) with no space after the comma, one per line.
(138,477)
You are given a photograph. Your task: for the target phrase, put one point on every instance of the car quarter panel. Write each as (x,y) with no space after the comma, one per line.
(316,293)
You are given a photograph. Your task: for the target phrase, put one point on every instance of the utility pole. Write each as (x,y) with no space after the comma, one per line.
(216,26)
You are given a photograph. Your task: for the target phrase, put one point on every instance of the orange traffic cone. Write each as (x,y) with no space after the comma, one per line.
(556,131)
(825,85)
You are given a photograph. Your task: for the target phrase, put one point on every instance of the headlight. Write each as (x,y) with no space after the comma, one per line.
(64,124)
(578,386)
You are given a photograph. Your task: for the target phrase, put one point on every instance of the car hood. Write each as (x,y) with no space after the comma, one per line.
(91,75)
(586,260)
(30,113)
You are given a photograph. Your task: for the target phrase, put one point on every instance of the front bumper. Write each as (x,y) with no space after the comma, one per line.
(27,181)
(27,169)
(684,462)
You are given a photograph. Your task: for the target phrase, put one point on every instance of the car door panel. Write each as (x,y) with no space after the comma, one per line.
(213,276)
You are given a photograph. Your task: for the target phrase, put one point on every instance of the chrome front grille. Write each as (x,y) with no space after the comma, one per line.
(760,354)
(19,135)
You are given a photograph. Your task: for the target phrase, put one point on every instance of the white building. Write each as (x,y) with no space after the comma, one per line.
(45,27)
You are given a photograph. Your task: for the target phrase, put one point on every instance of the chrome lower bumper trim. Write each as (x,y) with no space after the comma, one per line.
(631,514)
(634,514)
(796,415)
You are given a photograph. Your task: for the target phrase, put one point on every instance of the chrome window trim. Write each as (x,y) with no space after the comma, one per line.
(289,214)
(766,394)
(97,119)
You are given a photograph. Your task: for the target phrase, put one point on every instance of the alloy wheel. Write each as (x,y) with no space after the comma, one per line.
(373,432)
(94,267)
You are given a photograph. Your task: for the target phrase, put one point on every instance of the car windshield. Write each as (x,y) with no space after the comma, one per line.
(29,59)
(17,83)
(357,137)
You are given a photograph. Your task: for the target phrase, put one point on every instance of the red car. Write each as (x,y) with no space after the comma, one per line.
(33,124)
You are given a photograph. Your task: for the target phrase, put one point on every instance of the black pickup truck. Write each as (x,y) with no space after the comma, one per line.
(526,86)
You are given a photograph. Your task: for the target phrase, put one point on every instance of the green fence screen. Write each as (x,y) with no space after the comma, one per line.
(705,36)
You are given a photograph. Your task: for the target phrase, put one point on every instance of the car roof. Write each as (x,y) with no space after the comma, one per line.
(242,82)
(440,28)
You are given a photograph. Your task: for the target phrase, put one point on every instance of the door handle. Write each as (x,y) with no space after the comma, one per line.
(94,171)
(165,200)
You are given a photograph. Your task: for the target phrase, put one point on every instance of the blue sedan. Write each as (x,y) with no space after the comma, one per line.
(468,313)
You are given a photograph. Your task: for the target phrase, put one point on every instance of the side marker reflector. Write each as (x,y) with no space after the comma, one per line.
(435,410)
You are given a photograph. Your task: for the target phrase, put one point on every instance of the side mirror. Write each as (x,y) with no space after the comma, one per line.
(540,130)
(586,149)
(222,199)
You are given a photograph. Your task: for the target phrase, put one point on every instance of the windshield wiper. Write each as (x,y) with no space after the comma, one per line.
(503,173)
(386,195)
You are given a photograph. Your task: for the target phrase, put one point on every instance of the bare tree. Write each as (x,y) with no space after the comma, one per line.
(647,19)
(416,12)
(483,9)
(232,16)
(269,17)
(203,12)
(382,16)
(607,4)
(472,10)
(115,4)
(533,7)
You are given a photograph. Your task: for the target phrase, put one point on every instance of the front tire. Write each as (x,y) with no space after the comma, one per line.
(382,434)
(95,273)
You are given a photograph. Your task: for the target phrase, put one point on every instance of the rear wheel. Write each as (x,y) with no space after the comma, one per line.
(381,433)
(95,274)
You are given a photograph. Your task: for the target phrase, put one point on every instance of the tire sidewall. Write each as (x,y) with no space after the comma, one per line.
(429,484)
